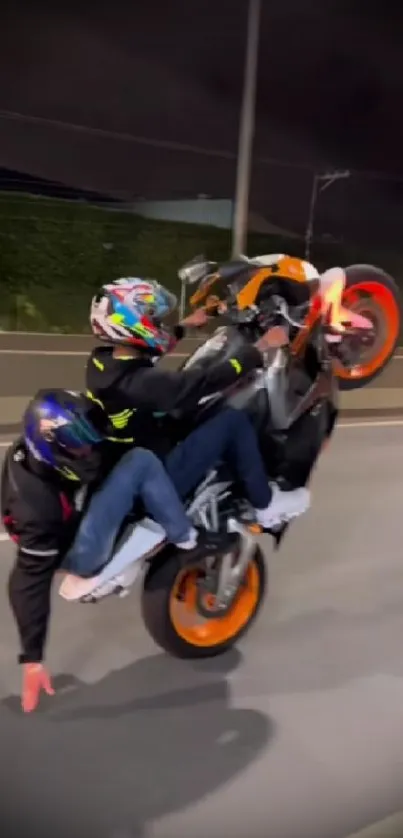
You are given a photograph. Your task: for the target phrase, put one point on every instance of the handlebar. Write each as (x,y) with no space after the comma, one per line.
(275,309)
(282,310)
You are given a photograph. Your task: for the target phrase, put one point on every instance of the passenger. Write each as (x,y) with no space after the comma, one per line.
(62,515)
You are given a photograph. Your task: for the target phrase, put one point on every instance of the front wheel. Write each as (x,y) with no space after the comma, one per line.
(373,294)
(176,617)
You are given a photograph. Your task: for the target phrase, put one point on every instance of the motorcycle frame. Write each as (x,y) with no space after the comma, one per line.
(204,509)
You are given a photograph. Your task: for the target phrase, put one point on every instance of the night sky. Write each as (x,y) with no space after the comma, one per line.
(329,93)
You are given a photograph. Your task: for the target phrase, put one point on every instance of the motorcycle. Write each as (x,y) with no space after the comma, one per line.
(366,293)
(201,609)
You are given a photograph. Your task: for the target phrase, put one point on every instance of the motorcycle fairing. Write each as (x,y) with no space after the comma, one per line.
(146,536)
(243,281)
(243,278)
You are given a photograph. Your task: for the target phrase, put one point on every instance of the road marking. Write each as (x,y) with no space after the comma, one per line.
(381,423)
(46,334)
(82,336)
(56,352)
(68,352)
(79,353)
(68,335)
(390,827)
(370,423)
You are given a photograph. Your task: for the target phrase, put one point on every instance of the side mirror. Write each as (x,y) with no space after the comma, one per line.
(190,275)
(193,273)
(196,270)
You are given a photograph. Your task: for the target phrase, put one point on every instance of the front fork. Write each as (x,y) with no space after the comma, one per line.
(226,578)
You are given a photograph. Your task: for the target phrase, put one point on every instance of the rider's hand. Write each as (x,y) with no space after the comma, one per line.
(222,307)
(35,679)
(272,339)
(196,319)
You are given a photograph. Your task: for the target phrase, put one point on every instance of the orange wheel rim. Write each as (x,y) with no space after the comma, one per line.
(381,301)
(200,631)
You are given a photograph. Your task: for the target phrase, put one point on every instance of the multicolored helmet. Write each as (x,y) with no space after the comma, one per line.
(130,311)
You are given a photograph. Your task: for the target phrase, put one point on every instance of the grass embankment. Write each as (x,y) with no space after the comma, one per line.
(55,254)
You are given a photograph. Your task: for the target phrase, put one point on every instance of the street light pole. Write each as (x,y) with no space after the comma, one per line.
(246,131)
(326,179)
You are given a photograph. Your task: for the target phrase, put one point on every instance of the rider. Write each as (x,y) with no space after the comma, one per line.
(53,497)
(133,393)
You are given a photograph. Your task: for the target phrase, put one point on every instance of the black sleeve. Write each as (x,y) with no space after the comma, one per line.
(30,585)
(162,390)
(179,332)
(29,592)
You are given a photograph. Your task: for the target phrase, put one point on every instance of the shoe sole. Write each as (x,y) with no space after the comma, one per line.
(284,519)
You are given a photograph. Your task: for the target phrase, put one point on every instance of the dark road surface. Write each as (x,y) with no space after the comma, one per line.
(298,734)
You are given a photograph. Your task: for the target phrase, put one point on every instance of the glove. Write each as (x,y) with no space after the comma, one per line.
(35,678)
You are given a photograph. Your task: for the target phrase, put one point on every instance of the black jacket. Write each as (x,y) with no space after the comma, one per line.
(134,393)
(41,513)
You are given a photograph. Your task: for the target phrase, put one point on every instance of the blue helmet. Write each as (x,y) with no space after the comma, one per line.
(59,433)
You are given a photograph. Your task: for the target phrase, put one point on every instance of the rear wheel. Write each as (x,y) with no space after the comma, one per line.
(175,610)
(372,293)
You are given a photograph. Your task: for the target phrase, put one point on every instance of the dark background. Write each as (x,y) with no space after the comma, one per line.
(149,80)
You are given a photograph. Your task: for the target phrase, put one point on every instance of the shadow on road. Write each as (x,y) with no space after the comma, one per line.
(106,759)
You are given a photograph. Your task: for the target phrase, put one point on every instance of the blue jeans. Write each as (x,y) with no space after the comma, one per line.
(139,474)
(229,436)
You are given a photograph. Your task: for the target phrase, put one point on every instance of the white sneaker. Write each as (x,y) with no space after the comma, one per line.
(191,541)
(74,587)
(283,506)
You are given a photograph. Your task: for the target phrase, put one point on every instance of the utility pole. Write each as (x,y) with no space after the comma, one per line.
(326,180)
(246,131)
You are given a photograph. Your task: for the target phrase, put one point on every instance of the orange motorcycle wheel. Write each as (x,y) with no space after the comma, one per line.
(179,622)
(373,294)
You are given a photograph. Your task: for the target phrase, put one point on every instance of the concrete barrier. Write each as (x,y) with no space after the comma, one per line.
(31,361)
(372,400)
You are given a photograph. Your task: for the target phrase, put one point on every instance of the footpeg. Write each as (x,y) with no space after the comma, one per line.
(100,593)
(119,586)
